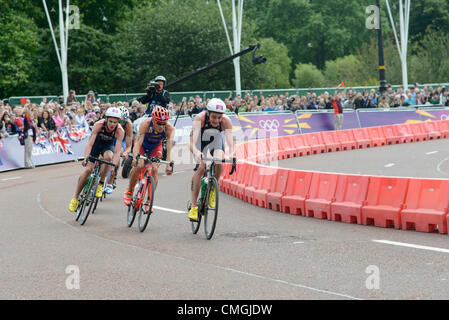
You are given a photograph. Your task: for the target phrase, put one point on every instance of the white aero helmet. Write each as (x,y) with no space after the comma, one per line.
(216,105)
(113,112)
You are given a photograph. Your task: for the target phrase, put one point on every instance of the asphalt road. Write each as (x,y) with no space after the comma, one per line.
(254,254)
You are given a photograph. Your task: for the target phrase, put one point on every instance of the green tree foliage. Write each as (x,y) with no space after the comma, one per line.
(18,43)
(307,75)
(187,36)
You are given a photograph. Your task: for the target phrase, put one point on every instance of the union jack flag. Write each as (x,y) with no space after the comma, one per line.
(61,142)
(77,134)
(42,142)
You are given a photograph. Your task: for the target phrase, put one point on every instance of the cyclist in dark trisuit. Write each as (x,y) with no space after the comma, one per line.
(101,142)
(126,145)
(206,136)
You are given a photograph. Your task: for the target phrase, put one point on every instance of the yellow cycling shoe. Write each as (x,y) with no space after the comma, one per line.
(73,205)
(193,214)
(99,192)
(212,199)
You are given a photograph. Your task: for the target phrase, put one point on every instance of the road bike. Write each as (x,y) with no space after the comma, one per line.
(143,193)
(208,184)
(87,199)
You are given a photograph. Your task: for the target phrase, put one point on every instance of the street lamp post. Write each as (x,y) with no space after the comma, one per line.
(383,81)
(63,37)
(404,19)
(237,36)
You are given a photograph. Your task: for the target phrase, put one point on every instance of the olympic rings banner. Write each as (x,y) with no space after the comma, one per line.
(245,127)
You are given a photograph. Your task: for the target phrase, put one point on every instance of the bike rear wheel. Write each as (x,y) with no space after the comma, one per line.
(211,214)
(146,204)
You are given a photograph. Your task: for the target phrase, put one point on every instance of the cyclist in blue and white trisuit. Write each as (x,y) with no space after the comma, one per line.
(101,142)
(206,136)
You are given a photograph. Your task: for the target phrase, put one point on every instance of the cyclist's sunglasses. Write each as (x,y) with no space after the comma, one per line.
(161,123)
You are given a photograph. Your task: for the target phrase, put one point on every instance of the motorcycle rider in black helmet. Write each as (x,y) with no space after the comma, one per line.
(156,94)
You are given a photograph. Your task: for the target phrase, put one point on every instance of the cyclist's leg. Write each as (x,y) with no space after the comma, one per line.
(83,179)
(219,153)
(218,166)
(95,152)
(156,152)
(134,175)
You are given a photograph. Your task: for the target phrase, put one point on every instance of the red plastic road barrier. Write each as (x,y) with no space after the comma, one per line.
(251,147)
(392,134)
(239,188)
(296,192)
(384,200)
(377,136)
(349,198)
(225,177)
(405,132)
(362,137)
(286,150)
(315,141)
(277,189)
(267,174)
(237,178)
(253,183)
(331,140)
(419,131)
(299,142)
(272,149)
(432,129)
(347,139)
(321,195)
(426,206)
(443,126)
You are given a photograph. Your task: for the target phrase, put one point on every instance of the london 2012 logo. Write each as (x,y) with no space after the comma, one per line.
(270,125)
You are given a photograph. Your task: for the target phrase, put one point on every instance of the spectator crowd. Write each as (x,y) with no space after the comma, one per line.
(48,116)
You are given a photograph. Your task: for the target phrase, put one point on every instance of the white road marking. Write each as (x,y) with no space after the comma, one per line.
(439,165)
(389,165)
(415,246)
(13,178)
(168,209)
(253,275)
(431,152)
(298,242)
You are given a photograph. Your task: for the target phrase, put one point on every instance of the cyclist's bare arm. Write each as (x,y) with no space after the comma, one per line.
(196,132)
(227,128)
(143,129)
(119,133)
(170,134)
(129,137)
(93,135)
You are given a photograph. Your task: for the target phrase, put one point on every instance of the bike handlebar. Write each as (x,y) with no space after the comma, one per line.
(103,161)
(213,159)
(156,160)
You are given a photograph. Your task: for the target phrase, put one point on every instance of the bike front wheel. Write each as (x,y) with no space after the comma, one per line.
(90,201)
(133,206)
(195,224)
(211,208)
(146,204)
